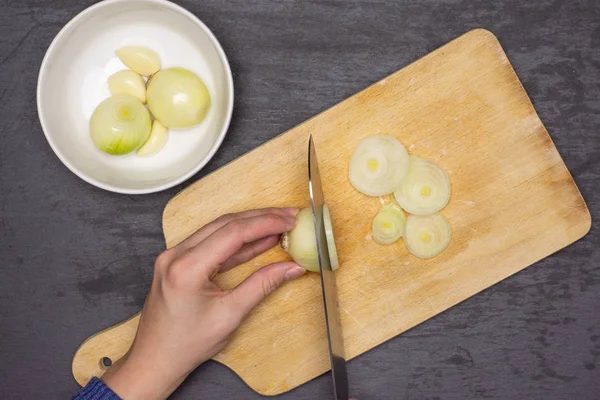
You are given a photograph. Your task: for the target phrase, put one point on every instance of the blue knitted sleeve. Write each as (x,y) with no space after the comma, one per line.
(95,390)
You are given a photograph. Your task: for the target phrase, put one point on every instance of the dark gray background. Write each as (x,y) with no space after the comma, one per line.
(75,259)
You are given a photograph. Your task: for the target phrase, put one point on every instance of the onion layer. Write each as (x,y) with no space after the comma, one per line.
(120,124)
(425,189)
(426,236)
(378,165)
(140,59)
(127,82)
(158,137)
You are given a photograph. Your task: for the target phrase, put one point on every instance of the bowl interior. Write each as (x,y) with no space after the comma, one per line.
(73,81)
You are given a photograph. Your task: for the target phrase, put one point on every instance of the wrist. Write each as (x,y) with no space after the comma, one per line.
(133,379)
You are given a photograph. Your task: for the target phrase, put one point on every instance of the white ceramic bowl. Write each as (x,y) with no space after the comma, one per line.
(72,82)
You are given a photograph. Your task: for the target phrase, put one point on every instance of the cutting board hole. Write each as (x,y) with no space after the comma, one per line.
(105,362)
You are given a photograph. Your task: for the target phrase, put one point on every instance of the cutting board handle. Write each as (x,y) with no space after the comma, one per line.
(98,352)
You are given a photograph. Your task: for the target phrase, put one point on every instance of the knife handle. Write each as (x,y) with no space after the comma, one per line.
(98,352)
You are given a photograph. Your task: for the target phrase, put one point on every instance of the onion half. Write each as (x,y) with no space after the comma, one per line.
(120,124)
(177,98)
(300,243)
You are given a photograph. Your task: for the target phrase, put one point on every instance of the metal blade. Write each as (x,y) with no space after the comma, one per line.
(330,299)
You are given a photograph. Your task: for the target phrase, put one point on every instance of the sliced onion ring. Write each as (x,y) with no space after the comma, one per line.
(389,224)
(426,236)
(425,189)
(378,165)
(333,258)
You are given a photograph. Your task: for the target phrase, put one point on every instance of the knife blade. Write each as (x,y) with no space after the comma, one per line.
(328,283)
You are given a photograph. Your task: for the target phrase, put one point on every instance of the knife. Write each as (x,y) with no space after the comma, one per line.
(330,299)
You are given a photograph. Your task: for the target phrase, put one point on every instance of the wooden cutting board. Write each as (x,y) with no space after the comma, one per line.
(513,203)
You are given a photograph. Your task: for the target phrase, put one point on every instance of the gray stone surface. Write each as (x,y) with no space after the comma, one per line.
(75,259)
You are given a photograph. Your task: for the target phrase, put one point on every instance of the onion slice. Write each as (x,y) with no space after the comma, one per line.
(425,189)
(389,224)
(378,165)
(333,258)
(426,236)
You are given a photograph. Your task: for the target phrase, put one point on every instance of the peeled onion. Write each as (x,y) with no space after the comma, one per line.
(157,139)
(388,225)
(426,236)
(120,124)
(378,165)
(300,243)
(425,189)
(178,98)
(140,59)
(127,82)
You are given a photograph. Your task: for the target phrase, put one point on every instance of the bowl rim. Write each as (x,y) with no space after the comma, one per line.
(175,181)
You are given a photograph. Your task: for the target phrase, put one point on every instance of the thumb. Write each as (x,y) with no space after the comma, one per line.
(262,283)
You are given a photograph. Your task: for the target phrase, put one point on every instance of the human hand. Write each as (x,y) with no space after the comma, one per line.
(187,318)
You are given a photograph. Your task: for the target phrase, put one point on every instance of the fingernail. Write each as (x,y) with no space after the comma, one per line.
(294,272)
(291,221)
(291,210)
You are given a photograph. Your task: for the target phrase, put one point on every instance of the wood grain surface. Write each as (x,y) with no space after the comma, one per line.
(513,203)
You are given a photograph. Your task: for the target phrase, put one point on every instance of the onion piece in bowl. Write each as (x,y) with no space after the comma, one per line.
(120,124)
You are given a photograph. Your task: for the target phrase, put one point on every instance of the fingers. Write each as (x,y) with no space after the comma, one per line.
(248,252)
(207,230)
(207,256)
(260,284)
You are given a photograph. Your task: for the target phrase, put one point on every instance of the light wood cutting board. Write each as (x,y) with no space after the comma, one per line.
(513,203)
